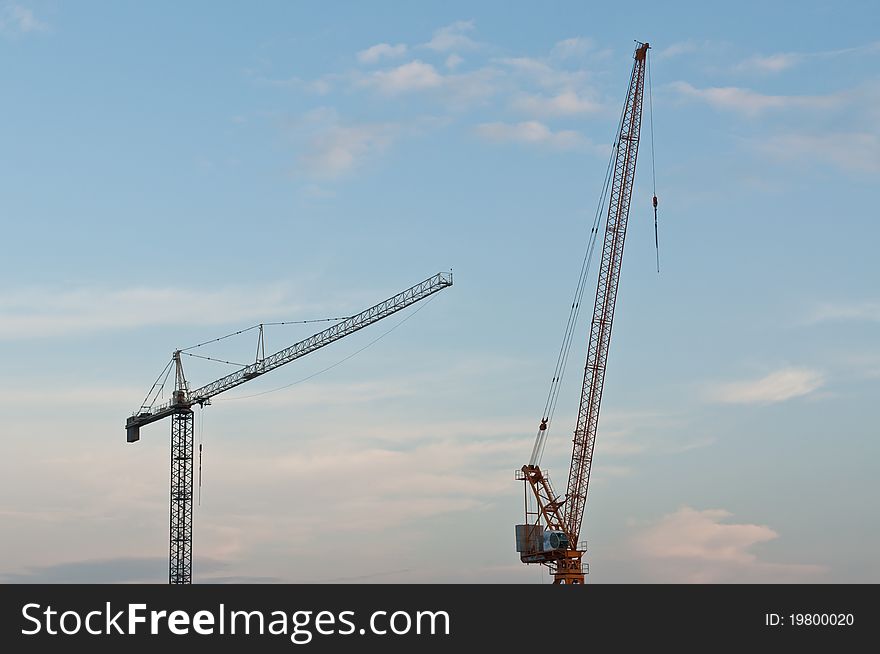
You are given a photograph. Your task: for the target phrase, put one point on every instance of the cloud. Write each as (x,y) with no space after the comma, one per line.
(380,51)
(313,393)
(776,387)
(569,48)
(376,474)
(363,577)
(321,86)
(781,61)
(751,103)
(329,148)
(476,87)
(775,63)
(366,490)
(530,132)
(453,61)
(864,364)
(853,151)
(633,433)
(566,103)
(867,311)
(340,149)
(96,571)
(123,570)
(541,73)
(868,48)
(453,37)
(677,49)
(27,399)
(456,91)
(694,546)
(16,19)
(413,76)
(44,312)
(316,393)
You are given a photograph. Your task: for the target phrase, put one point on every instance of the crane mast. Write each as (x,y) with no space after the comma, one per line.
(552,531)
(179,408)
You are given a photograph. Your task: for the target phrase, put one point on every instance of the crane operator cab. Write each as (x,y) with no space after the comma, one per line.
(537,545)
(555,540)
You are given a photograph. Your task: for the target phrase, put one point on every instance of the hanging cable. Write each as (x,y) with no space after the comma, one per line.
(653,168)
(201,439)
(214,340)
(247,329)
(565,349)
(200,356)
(305,322)
(147,404)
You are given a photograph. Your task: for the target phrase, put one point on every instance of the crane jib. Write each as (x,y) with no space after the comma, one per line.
(343,328)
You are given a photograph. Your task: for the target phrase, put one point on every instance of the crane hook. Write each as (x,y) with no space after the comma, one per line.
(656,235)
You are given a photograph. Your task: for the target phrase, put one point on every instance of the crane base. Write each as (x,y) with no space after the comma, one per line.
(569,570)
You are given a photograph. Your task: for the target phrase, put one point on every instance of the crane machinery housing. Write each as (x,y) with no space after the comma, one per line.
(180,409)
(552,526)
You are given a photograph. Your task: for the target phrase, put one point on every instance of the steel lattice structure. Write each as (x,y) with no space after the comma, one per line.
(180,554)
(566,513)
(179,408)
(606,298)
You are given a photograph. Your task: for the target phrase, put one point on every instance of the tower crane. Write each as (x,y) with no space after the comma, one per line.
(180,409)
(553,523)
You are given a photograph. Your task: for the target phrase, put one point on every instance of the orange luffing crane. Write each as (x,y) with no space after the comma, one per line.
(552,526)
(180,407)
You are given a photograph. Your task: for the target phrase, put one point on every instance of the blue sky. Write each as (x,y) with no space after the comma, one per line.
(174,172)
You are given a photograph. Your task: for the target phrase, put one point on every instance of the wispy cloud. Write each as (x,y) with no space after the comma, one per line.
(17,19)
(106,571)
(321,86)
(453,61)
(776,387)
(455,91)
(330,148)
(699,546)
(381,51)
(571,48)
(413,76)
(853,151)
(453,37)
(865,311)
(565,103)
(749,102)
(678,49)
(419,480)
(541,73)
(375,472)
(44,312)
(340,149)
(541,89)
(771,63)
(28,399)
(531,132)
(633,433)
(782,61)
